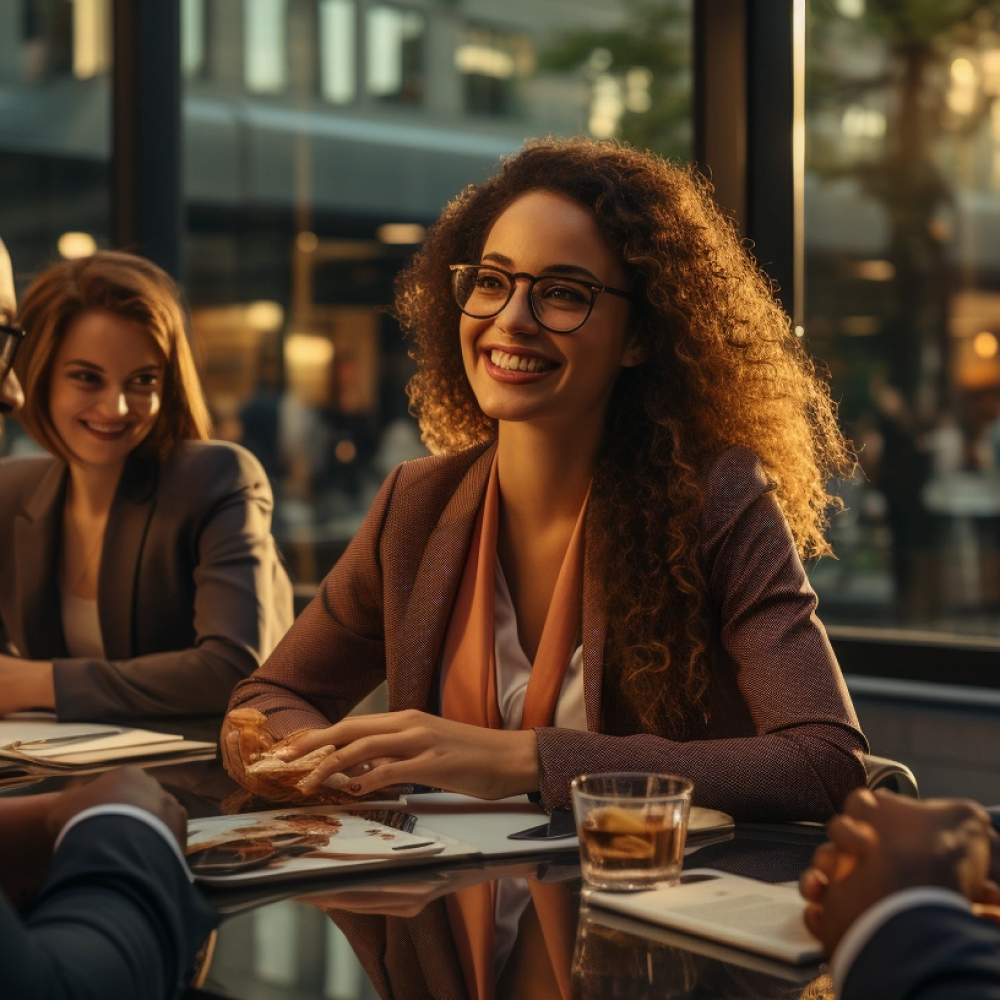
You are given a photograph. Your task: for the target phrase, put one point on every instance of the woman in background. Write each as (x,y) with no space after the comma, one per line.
(138,575)
(599,569)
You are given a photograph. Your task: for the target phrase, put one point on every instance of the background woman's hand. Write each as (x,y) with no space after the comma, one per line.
(415,747)
(25,684)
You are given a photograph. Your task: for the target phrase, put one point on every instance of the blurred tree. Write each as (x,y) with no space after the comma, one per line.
(913,44)
(639,73)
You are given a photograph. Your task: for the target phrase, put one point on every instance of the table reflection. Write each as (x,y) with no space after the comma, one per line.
(431,932)
(403,937)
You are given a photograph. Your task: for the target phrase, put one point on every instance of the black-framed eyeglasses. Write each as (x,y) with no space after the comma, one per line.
(559,304)
(10,341)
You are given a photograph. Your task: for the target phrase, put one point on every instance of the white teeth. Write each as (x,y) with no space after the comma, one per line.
(517,363)
(105,428)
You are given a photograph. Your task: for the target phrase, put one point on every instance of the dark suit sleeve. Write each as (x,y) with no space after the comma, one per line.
(806,754)
(334,654)
(928,953)
(242,600)
(116,917)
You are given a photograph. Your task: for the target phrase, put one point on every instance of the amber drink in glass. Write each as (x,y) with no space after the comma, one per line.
(632,828)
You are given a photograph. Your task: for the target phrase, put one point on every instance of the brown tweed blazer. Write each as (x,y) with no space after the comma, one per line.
(782,742)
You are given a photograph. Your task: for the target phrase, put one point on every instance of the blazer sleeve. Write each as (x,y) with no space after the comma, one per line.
(242,601)
(928,953)
(116,917)
(806,754)
(334,654)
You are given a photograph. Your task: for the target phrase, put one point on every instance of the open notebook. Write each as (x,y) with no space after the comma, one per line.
(33,746)
(741,912)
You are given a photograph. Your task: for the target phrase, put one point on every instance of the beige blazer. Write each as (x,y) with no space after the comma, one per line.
(192,595)
(782,742)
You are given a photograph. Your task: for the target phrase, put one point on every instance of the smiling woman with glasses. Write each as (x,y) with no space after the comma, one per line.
(599,569)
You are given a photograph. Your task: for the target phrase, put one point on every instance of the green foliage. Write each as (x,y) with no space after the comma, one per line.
(655,35)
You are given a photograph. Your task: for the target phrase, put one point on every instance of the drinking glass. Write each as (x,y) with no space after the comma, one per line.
(632,828)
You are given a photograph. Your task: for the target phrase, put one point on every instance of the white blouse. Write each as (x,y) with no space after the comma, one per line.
(514,669)
(513,672)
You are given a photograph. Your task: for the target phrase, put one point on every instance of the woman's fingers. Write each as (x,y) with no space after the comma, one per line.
(397,772)
(305,743)
(391,747)
(346,731)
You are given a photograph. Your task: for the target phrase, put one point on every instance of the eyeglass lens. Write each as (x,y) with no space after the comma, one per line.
(559,304)
(10,338)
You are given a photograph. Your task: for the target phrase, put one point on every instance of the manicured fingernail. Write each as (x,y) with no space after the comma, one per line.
(356,787)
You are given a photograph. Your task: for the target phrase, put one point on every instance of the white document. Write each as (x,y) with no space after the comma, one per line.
(742,912)
(61,745)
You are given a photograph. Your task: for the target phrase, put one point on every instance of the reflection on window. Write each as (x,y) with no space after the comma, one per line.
(192,37)
(91,38)
(265,67)
(394,52)
(903,302)
(491,63)
(336,50)
(298,223)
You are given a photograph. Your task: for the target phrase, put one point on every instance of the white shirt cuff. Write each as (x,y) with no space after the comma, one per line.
(123,809)
(875,917)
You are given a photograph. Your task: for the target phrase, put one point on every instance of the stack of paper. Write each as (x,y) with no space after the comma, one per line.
(31,748)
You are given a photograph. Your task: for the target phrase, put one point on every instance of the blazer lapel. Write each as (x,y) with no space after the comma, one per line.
(124,537)
(595,631)
(37,532)
(422,629)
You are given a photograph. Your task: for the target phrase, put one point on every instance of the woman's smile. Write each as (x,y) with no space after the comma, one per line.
(518,369)
(105,392)
(516,365)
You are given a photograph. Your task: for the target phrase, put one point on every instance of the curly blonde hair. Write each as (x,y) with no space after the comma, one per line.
(721,367)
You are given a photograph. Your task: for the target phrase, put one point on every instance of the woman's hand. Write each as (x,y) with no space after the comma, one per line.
(25,684)
(243,744)
(414,747)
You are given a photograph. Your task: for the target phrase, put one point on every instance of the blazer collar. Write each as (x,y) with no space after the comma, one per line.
(124,538)
(436,585)
(37,539)
(595,631)
(37,533)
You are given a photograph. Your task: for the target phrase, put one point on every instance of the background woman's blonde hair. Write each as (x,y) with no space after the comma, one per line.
(127,286)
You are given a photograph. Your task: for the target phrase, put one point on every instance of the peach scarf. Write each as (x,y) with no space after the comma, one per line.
(470,696)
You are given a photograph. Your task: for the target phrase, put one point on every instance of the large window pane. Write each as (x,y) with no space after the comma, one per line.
(903,302)
(55,136)
(307,191)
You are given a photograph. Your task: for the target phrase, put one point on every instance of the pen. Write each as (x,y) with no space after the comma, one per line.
(49,741)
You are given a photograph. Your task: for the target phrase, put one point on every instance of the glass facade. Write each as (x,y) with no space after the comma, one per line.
(321,138)
(55,128)
(902,234)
